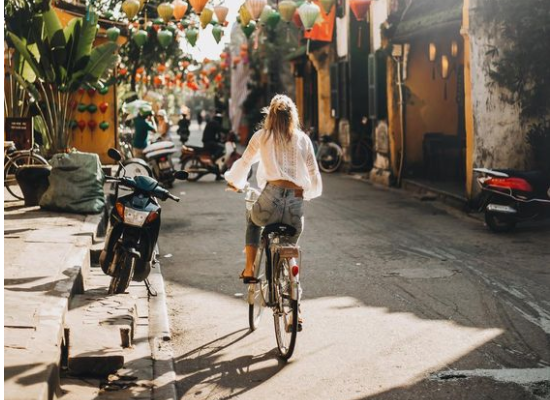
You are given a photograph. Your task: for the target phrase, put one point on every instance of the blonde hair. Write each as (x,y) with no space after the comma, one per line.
(281,119)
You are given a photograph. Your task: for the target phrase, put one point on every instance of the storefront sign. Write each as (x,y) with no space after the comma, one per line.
(19,131)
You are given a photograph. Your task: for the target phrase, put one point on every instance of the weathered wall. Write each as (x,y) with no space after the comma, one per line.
(321,60)
(498,137)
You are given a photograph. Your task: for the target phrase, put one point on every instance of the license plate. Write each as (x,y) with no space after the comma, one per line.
(164,164)
(501,208)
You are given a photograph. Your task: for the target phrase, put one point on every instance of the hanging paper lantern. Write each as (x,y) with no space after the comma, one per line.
(92,108)
(113,33)
(236,60)
(243,54)
(287,9)
(192,34)
(223,55)
(249,29)
(255,8)
(221,13)
(81,91)
(103,107)
(92,124)
(218,78)
(308,14)
(161,68)
(73,124)
(81,125)
(198,5)
(131,8)
(122,72)
(180,8)
(326,5)
(360,8)
(245,15)
(266,12)
(141,4)
(140,70)
(165,11)
(82,107)
(273,19)
(244,46)
(104,125)
(206,17)
(104,90)
(165,37)
(217,32)
(91,92)
(140,37)
(157,81)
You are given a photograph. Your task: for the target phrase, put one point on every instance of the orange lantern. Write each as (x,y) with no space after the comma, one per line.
(179,75)
(122,71)
(157,81)
(180,8)
(161,68)
(218,78)
(198,5)
(360,9)
(236,60)
(223,55)
(140,70)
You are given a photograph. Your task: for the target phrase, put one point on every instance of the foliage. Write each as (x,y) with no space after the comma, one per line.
(521,67)
(269,71)
(62,60)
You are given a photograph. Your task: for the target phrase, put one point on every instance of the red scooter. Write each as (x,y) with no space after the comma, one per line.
(511,196)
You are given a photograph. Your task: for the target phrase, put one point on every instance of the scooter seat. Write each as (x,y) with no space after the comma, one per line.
(164,145)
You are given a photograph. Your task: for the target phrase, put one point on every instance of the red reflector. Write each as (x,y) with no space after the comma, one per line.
(163,159)
(510,183)
(295,270)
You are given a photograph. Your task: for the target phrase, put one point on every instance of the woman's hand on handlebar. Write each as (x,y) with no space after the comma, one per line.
(232,188)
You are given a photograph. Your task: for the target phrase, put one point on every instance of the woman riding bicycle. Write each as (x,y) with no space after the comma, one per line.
(287,174)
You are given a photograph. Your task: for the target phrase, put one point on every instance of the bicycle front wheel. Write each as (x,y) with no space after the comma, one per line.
(11,167)
(286,310)
(330,157)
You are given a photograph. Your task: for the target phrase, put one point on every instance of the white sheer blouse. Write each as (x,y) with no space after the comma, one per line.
(294,162)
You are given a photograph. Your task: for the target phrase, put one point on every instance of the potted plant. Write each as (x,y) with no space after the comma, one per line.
(60,61)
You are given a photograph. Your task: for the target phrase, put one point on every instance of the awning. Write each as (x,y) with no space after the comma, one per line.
(428,16)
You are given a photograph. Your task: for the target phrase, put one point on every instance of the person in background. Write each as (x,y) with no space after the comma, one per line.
(183,125)
(163,125)
(143,124)
(212,139)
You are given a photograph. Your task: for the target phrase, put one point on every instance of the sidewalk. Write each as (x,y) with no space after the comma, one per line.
(50,283)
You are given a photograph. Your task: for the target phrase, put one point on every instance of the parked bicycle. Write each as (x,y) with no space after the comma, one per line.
(277,283)
(15,159)
(329,154)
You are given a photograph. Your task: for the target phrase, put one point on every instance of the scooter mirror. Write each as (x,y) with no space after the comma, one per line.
(181,175)
(114,154)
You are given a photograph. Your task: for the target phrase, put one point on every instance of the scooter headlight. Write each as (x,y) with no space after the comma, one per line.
(135,217)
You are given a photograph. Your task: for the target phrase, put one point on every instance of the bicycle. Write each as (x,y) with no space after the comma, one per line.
(15,159)
(328,153)
(361,154)
(277,283)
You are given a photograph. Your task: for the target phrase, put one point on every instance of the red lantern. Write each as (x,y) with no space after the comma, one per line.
(92,124)
(91,92)
(103,107)
(360,9)
(122,71)
(157,81)
(81,125)
(140,70)
(218,78)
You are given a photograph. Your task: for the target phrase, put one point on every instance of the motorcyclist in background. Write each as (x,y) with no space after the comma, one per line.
(212,139)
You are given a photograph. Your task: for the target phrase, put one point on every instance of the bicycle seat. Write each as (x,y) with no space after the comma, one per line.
(280,230)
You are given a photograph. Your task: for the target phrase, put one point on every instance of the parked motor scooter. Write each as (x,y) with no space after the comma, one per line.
(131,244)
(511,196)
(198,162)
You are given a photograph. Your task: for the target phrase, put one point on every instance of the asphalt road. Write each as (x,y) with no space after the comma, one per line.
(403,299)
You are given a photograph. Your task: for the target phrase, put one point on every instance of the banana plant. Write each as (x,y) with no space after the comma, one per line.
(62,60)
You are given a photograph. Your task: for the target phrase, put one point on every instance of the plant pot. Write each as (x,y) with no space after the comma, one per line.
(33,181)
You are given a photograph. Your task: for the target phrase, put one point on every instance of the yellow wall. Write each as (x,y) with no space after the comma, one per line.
(97,140)
(427,110)
(468,109)
(321,60)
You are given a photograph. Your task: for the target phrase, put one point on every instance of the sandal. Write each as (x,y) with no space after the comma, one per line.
(248,279)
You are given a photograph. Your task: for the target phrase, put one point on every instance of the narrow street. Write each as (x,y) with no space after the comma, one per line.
(402,299)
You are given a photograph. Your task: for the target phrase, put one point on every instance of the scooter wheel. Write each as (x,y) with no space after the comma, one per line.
(194,168)
(499,223)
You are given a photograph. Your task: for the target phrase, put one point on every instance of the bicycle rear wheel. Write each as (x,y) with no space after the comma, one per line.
(286,310)
(330,157)
(361,156)
(256,294)
(10,168)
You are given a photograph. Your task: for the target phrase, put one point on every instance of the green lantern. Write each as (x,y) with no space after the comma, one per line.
(92,108)
(73,124)
(165,38)
(103,90)
(113,33)
(192,34)
(217,32)
(140,37)
(82,107)
(249,29)
(273,19)
(104,125)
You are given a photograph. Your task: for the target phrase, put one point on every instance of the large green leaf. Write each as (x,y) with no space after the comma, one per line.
(102,60)
(21,48)
(52,24)
(87,36)
(31,90)
(72,35)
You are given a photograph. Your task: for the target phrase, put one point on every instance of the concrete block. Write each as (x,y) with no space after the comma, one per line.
(380,176)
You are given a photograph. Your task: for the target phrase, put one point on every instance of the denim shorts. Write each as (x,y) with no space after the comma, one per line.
(275,205)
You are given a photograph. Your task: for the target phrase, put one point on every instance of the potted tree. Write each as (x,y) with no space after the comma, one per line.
(60,62)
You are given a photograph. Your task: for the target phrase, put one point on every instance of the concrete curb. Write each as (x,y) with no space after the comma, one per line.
(159,339)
